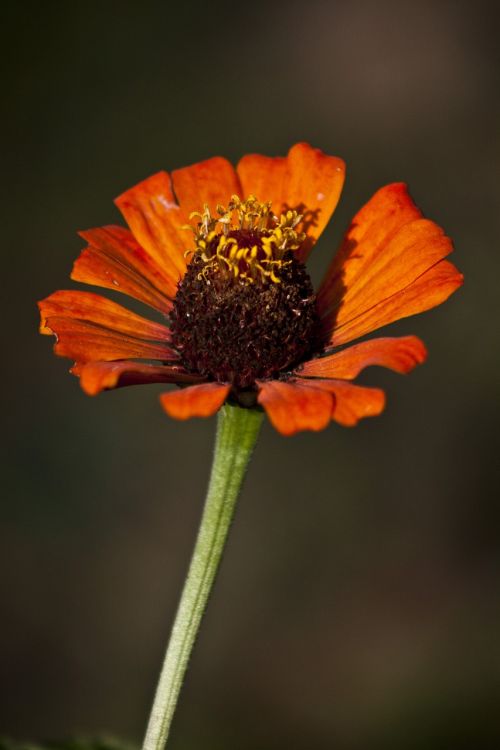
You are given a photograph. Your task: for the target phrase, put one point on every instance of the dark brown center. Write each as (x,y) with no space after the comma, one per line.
(234,331)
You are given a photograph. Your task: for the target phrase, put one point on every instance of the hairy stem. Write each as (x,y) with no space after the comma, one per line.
(237,432)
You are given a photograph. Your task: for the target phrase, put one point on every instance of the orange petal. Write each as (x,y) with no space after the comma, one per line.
(151,211)
(398,354)
(306,180)
(292,407)
(208,182)
(390,209)
(387,247)
(433,287)
(352,402)
(196,401)
(115,260)
(93,308)
(85,342)
(99,376)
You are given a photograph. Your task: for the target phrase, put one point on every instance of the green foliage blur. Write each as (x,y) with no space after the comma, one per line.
(358,602)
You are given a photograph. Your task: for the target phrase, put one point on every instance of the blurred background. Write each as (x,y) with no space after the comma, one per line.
(358,604)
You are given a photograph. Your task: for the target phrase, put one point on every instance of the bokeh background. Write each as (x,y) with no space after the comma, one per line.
(358,605)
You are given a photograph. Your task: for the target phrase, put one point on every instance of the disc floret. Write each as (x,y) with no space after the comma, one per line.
(246,240)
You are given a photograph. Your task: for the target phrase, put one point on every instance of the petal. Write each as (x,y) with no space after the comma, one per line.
(390,209)
(352,402)
(157,222)
(209,182)
(306,180)
(115,260)
(196,401)
(387,247)
(99,376)
(431,289)
(84,342)
(292,407)
(398,354)
(93,308)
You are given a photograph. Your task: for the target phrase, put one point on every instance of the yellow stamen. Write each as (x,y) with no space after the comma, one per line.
(252,220)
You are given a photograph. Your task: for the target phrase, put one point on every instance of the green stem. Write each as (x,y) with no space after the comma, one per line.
(237,432)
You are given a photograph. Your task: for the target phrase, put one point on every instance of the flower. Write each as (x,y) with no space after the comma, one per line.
(241,320)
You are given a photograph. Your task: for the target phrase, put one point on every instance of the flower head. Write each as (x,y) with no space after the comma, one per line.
(221,253)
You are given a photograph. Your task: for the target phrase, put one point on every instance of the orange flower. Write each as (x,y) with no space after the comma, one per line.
(241,321)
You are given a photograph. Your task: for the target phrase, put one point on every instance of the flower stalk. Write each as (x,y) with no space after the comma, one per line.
(237,432)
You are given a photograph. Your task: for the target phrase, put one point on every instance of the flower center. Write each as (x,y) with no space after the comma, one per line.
(245,309)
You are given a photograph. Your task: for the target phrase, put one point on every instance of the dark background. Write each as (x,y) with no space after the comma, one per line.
(358,603)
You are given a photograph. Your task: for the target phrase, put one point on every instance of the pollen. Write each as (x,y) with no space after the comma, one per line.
(245,240)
